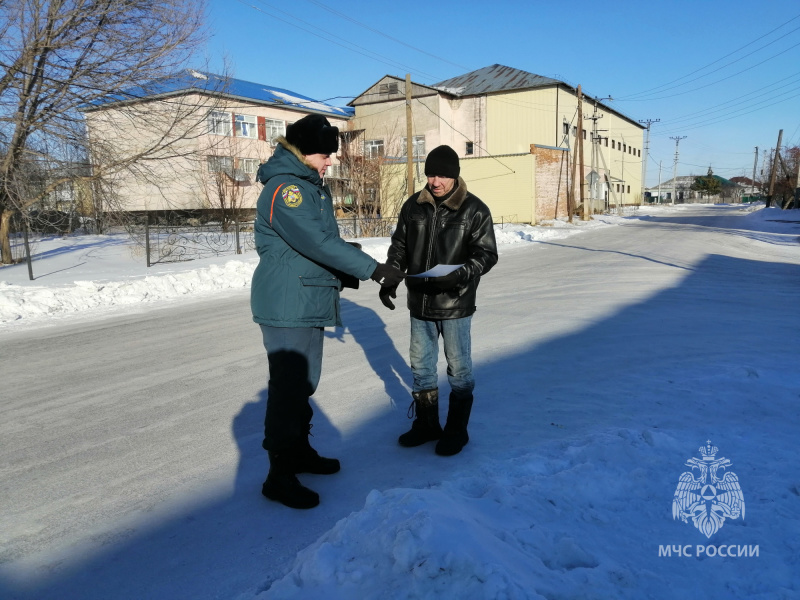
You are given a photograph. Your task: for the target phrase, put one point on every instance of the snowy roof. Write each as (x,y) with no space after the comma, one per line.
(191,80)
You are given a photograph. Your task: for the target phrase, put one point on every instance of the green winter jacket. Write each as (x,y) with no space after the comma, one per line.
(297,280)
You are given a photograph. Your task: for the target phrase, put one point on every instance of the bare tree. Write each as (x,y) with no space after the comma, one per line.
(373,181)
(60,58)
(228,177)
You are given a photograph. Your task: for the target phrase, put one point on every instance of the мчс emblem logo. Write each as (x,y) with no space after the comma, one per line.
(708,499)
(292,196)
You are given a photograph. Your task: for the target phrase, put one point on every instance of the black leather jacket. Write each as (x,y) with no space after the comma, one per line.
(457,231)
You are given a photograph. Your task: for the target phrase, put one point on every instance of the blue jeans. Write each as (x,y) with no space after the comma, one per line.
(424,353)
(295,364)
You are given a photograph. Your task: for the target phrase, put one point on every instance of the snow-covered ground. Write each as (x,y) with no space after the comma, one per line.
(77,274)
(607,353)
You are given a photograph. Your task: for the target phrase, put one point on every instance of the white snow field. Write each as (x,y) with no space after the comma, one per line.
(606,354)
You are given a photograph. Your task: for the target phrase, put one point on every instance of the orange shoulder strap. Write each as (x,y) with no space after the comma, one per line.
(272,206)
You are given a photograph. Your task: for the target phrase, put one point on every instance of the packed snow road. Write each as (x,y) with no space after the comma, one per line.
(131,459)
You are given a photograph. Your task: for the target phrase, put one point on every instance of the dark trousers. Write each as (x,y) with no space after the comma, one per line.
(295,363)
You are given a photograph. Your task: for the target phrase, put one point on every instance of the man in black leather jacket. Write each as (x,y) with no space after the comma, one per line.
(443,224)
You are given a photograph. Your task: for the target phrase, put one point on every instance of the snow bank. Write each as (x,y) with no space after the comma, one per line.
(580,519)
(123,281)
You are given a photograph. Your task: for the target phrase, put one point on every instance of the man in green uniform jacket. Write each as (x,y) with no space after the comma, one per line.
(295,293)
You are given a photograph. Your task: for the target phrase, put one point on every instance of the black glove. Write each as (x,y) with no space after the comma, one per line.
(446,282)
(387,275)
(385,294)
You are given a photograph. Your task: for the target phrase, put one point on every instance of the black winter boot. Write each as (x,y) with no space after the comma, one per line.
(282,485)
(455,437)
(308,460)
(425,427)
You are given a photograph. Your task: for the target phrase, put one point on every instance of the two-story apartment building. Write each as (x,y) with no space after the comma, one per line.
(515,132)
(210,134)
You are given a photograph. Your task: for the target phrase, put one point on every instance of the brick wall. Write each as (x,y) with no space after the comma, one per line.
(552,170)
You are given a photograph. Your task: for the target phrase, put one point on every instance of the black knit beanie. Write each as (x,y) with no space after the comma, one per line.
(442,161)
(313,134)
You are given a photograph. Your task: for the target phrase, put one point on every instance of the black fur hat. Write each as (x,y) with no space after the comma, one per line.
(313,134)
(442,161)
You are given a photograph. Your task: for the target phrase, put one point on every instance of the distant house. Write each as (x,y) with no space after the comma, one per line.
(679,191)
(516,134)
(219,130)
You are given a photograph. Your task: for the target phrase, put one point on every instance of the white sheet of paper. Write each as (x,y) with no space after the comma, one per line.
(438,271)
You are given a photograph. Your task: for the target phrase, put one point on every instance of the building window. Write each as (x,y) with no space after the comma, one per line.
(629,189)
(245,126)
(417,146)
(219,123)
(574,130)
(565,125)
(613,145)
(639,153)
(273,129)
(471,147)
(624,147)
(248,165)
(220,164)
(584,134)
(606,141)
(373,148)
(388,88)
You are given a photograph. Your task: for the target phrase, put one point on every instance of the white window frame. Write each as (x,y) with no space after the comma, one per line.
(246,126)
(219,123)
(219,164)
(247,165)
(373,148)
(417,146)
(274,128)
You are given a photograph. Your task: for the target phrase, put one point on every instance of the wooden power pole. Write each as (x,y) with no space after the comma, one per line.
(774,170)
(409,139)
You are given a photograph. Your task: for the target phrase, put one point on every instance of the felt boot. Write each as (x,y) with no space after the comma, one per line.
(455,437)
(425,427)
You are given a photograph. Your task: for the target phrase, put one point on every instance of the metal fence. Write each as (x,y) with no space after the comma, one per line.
(17,240)
(352,227)
(177,243)
(184,242)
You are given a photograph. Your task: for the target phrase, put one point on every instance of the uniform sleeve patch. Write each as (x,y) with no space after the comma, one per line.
(292,196)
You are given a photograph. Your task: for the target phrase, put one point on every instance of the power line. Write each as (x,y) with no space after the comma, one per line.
(465,136)
(381,33)
(718,80)
(735,116)
(647,92)
(315,31)
(763,91)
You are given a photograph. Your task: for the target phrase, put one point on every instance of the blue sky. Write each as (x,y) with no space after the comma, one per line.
(724,74)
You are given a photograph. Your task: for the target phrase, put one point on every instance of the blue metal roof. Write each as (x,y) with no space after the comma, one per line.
(201,82)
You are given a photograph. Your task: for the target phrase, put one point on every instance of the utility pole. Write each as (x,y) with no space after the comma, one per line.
(409,139)
(774,169)
(659,182)
(677,139)
(646,153)
(797,189)
(753,186)
(571,186)
(594,178)
(585,214)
